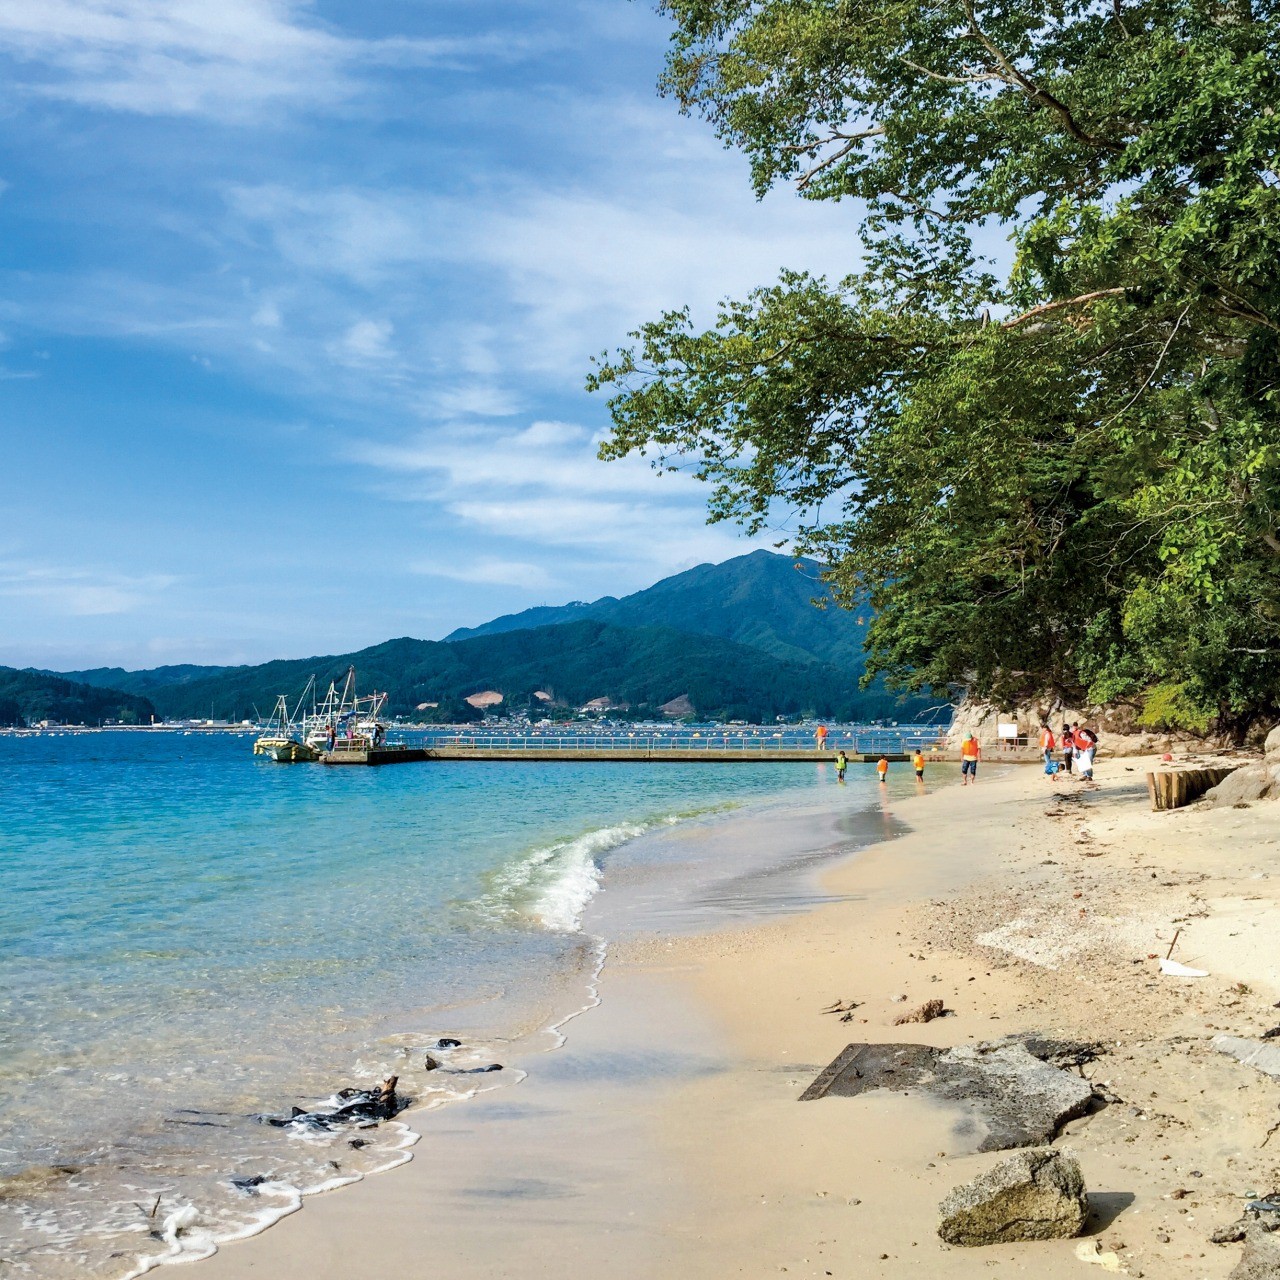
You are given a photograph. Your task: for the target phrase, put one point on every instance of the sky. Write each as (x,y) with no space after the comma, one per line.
(296,305)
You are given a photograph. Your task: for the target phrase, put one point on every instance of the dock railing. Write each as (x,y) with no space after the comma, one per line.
(871,742)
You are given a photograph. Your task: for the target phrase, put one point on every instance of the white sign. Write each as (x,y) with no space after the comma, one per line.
(1005,730)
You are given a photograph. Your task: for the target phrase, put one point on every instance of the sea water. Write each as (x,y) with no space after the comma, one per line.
(194,940)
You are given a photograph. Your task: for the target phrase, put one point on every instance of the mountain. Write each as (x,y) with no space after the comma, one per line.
(576,662)
(140,682)
(761,600)
(27,697)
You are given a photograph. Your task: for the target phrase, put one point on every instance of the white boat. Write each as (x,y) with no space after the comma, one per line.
(345,721)
(284,740)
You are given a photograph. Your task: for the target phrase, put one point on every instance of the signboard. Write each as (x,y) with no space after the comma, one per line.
(1006,729)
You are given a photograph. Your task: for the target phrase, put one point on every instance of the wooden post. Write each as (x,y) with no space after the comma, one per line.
(1174,788)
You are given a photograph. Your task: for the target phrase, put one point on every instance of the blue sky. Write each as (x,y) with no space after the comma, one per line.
(296,302)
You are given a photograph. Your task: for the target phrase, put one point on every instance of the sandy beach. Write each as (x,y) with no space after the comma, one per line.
(666,1137)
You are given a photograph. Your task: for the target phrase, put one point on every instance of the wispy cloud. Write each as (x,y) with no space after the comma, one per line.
(79,592)
(489,572)
(541,487)
(223,58)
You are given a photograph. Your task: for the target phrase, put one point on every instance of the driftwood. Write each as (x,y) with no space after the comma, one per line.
(1173,788)
(359,1106)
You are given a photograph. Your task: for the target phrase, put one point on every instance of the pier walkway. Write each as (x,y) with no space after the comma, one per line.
(697,748)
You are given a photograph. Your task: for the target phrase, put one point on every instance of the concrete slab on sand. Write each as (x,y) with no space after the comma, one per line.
(1017,1085)
(1259,1054)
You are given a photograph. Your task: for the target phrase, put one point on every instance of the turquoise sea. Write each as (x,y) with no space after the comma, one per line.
(192,938)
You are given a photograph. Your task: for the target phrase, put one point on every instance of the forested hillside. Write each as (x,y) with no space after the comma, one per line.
(761,600)
(27,697)
(640,666)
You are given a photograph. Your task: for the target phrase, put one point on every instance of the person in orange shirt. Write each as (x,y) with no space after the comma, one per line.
(883,770)
(917,763)
(1047,743)
(820,736)
(970,754)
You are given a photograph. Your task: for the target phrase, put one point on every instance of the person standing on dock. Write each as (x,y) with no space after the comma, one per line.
(883,770)
(970,754)
(820,737)
(917,763)
(842,763)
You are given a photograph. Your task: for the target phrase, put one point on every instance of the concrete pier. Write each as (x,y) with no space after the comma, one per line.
(676,755)
(375,756)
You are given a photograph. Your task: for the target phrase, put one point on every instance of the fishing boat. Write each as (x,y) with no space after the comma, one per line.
(345,721)
(285,738)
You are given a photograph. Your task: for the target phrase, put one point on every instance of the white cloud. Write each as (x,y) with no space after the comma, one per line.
(79,592)
(541,488)
(364,342)
(223,58)
(553,455)
(487,572)
(267,316)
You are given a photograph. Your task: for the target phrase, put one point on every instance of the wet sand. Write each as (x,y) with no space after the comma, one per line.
(666,1137)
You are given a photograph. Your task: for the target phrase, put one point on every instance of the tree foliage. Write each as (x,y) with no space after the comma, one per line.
(1060,476)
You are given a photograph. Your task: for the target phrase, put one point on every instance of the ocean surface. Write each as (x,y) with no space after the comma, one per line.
(194,941)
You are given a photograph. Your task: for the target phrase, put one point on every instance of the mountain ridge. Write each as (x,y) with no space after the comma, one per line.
(740,639)
(642,667)
(760,599)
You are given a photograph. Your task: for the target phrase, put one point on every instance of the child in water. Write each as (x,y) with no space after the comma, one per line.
(917,763)
(842,763)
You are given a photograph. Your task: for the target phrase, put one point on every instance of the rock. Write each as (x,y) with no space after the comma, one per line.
(1023,1099)
(1248,783)
(1261,1257)
(1037,1194)
(430,1064)
(1271,748)
(448,1042)
(1262,1056)
(925,1013)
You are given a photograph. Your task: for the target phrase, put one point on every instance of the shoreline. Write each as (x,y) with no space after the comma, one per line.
(666,1135)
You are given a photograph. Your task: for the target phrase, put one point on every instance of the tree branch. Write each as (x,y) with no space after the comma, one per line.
(1045,307)
(945,79)
(1031,89)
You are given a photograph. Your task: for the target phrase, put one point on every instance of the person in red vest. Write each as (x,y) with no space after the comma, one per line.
(1086,743)
(1047,743)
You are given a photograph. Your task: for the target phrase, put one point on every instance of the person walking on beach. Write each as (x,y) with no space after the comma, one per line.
(842,763)
(820,737)
(1086,743)
(1047,744)
(882,768)
(970,754)
(1068,746)
(917,763)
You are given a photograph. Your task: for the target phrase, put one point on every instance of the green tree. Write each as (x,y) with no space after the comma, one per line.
(1061,477)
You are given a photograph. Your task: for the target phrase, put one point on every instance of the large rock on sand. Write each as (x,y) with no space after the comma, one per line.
(1260,781)
(1036,1194)
(1261,1257)
(1251,782)
(1016,1085)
